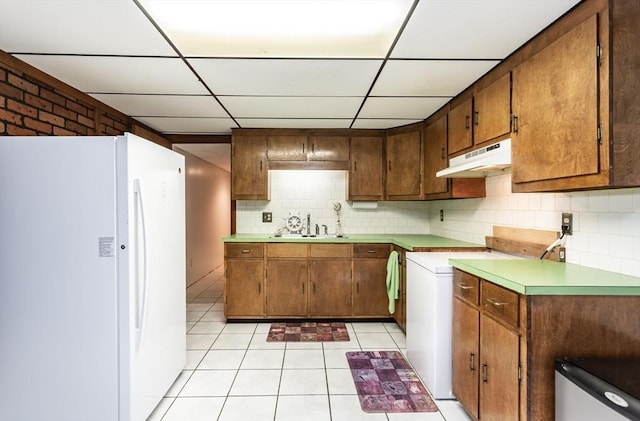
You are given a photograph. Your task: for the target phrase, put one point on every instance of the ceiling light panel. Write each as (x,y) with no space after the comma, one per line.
(287,77)
(475,28)
(281,28)
(428,77)
(163,105)
(140,75)
(79,27)
(403,107)
(294,107)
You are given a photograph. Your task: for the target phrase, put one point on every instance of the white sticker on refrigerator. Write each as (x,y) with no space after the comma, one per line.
(106,246)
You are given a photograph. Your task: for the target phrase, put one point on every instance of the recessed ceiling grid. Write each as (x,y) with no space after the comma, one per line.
(126,54)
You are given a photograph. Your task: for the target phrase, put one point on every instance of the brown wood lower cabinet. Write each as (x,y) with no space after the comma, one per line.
(244,286)
(369,280)
(330,280)
(505,344)
(286,286)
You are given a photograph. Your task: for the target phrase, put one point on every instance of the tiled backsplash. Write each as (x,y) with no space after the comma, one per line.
(314,192)
(606,223)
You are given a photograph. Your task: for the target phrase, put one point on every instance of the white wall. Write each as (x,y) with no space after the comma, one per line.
(208,214)
(315,192)
(606,223)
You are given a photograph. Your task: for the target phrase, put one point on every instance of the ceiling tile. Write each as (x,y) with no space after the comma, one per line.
(475,28)
(79,27)
(163,105)
(138,75)
(403,107)
(428,77)
(299,123)
(292,107)
(287,77)
(203,125)
(382,123)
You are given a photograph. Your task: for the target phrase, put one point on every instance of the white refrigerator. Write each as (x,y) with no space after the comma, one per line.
(92,277)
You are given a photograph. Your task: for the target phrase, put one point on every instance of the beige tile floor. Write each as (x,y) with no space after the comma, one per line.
(232,373)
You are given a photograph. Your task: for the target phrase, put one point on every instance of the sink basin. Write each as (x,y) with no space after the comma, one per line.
(308,237)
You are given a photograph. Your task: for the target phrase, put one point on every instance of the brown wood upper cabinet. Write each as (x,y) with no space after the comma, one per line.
(492,110)
(287,148)
(575,104)
(404,165)
(459,130)
(328,148)
(366,169)
(435,159)
(249,172)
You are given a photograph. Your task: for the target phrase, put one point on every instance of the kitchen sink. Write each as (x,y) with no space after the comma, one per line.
(308,237)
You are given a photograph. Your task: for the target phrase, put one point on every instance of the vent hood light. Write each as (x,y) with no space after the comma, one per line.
(481,162)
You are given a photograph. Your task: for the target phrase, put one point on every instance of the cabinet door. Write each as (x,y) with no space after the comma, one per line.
(286,287)
(365,173)
(459,128)
(499,383)
(465,355)
(492,110)
(555,106)
(328,148)
(370,288)
(244,288)
(287,148)
(249,175)
(330,288)
(404,165)
(435,156)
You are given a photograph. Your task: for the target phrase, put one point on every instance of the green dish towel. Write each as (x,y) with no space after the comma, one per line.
(392,281)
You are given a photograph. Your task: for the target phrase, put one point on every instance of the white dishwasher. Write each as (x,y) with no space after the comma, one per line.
(429,315)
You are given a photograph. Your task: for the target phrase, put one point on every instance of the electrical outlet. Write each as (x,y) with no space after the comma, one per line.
(567,223)
(441,215)
(267,217)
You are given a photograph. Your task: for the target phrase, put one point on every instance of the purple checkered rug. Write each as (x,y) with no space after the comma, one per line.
(386,383)
(308,332)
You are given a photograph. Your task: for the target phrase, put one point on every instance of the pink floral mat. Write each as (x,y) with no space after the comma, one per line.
(308,332)
(386,383)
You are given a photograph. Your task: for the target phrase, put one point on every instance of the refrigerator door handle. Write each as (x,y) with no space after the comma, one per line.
(141,309)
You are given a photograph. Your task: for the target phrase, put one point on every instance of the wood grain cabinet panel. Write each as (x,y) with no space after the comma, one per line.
(249,172)
(330,288)
(287,148)
(366,169)
(370,280)
(466,355)
(492,110)
(555,105)
(244,280)
(286,285)
(460,130)
(328,148)
(404,165)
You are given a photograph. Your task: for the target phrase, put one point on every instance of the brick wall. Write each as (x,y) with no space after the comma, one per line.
(33,103)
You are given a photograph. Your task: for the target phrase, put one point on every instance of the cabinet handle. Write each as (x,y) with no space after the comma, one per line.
(389,165)
(303,148)
(355,166)
(303,287)
(495,302)
(260,165)
(484,373)
(514,124)
(259,288)
(371,251)
(314,288)
(465,287)
(313,148)
(475,117)
(467,121)
(246,251)
(442,153)
(472,361)
(357,287)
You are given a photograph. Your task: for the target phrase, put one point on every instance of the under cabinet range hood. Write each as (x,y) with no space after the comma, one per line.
(482,162)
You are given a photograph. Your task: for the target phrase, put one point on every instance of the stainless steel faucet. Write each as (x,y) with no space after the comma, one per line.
(317,230)
(326,229)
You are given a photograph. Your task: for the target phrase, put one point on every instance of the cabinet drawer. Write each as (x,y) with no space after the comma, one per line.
(286,250)
(330,250)
(371,251)
(244,250)
(500,302)
(466,286)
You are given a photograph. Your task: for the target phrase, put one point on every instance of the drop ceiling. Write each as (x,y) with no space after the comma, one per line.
(176,80)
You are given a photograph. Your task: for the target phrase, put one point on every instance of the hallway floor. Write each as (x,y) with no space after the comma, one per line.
(233,373)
